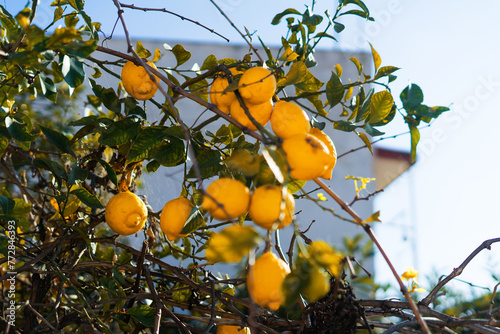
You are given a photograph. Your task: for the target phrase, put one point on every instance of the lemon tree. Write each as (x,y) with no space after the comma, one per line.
(81,123)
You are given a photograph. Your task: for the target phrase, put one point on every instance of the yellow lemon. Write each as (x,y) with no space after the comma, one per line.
(260,112)
(265,280)
(137,82)
(318,285)
(289,119)
(173,217)
(217,95)
(257,85)
(233,195)
(228,329)
(332,152)
(306,155)
(267,206)
(126,213)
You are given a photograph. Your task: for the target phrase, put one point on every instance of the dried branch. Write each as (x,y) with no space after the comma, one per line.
(457,271)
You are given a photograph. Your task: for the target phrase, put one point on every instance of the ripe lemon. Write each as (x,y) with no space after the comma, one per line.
(266,206)
(265,279)
(257,85)
(217,96)
(318,285)
(227,329)
(137,82)
(126,213)
(261,113)
(332,152)
(232,194)
(174,216)
(307,156)
(289,119)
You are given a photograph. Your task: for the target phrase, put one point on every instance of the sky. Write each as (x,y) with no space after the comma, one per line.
(445,206)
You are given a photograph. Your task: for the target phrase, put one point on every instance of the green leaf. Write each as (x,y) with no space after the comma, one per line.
(334,90)
(358,13)
(344,126)
(141,50)
(296,73)
(209,63)
(111,100)
(276,161)
(359,66)
(412,96)
(87,198)
(4,142)
(387,118)
(152,166)
(338,27)
(376,58)
(19,128)
(72,70)
(7,205)
(277,18)
(380,106)
(372,131)
(144,314)
(210,163)
(9,23)
(200,89)
(58,139)
(77,174)
(57,170)
(309,83)
(48,87)
(360,3)
(365,140)
(121,132)
(415,138)
(149,138)
(364,110)
(110,171)
(295,185)
(194,222)
(171,153)
(124,258)
(231,244)
(181,54)
(385,71)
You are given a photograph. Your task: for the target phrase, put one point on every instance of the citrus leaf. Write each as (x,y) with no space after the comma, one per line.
(144,314)
(87,198)
(120,132)
(181,55)
(276,162)
(365,140)
(141,50)
(194,222)
(412,96)
(359,66)
(149,138)
(209,63)
(110,171)
(7,205)
(296,74)
(334,90)
(48,87)
(373,218)
(309,83)
(385,71)
(277,18)
(344,126)
(58,139)
(210,163)
(111,100)
(376,58)
(57,170)
(77,174)
(20,129)
(72,70)
(380,106)
(231,244)
(415,138)
(169,154)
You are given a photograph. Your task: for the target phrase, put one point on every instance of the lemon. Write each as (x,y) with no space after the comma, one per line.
(137,82)
(126,213)
(265,280)
(289,119)
(260,112)
(318,285)
(332,152)
(220,98)
(257,85)
(233,195)
(266,206)
(228,329)
(173,217)
(307,156)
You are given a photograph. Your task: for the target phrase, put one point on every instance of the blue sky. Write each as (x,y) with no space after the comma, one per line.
(446,205)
